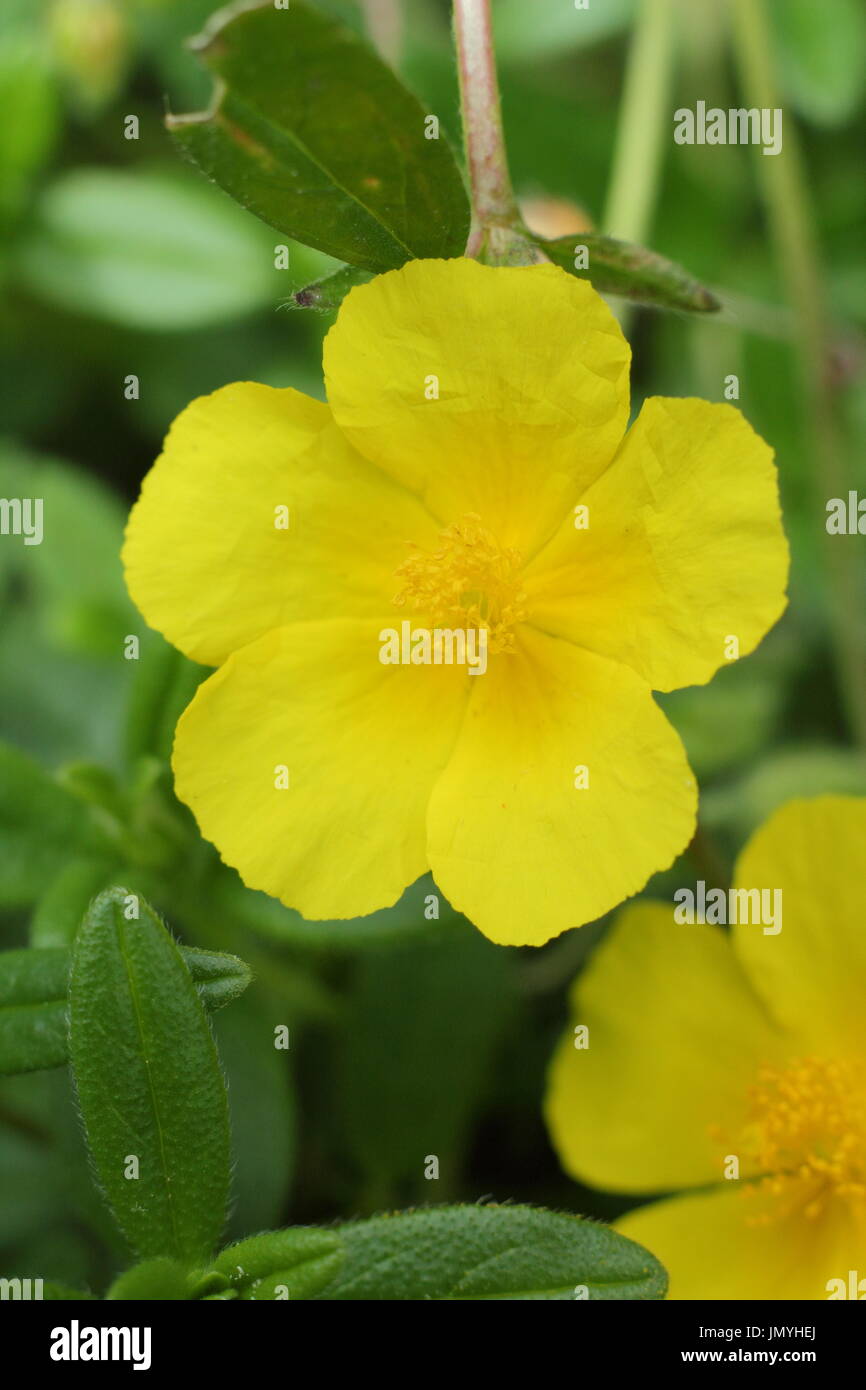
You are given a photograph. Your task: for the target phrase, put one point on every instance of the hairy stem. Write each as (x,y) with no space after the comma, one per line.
(494,209)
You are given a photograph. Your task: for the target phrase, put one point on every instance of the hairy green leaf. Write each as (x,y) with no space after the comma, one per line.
(164,1280)
(617,267)
(296,1264)
(220,978)
(149,1083)
(314,133)
(481,1252)
(33,1000)
(160,1279)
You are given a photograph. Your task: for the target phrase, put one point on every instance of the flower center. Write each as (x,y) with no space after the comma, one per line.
(806,1131)
(470,581)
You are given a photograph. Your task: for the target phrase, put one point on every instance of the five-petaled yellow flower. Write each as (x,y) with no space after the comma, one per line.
(734,1066)
(471,469)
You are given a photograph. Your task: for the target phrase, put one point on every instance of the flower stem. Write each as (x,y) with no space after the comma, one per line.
(784,191)
(495,216)
(642,124)
(637,161)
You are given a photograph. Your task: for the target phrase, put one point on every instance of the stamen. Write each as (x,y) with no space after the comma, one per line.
(806,1133)
(470,581)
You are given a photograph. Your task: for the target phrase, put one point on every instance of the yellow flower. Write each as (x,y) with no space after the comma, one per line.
(471,411)
(734,1065)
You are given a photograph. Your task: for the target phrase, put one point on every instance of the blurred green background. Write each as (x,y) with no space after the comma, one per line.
(408,1037)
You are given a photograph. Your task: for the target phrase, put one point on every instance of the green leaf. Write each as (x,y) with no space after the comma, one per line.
(481,1252)
(149,1083)
(329,294)
(821,57)
(297,1263)
(151,250)
(618,267)
(219,977)
(42,826)
(311,131)
(34,986)
(158,1280)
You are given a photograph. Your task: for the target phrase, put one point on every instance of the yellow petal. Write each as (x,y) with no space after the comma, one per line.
(710,1250)
(683,551)
(532,377)
(513,843)
(361,744)
(675,1039)
(208,560)
(812,973)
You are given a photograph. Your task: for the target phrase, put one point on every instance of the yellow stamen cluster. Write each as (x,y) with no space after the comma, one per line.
(469,581)
(807,1133)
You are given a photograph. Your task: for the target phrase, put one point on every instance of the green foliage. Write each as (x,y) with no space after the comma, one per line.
(329,294)
(527,33)
(786,774)
(156,1095)
(41,826)
(303,1261)
(448,999)
(26,88)
(615,267)
(264,1109)
(406,919)
(315,134)
(822,57)
(481,1252)
(152,250)
(158,1280)
(410,1036)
